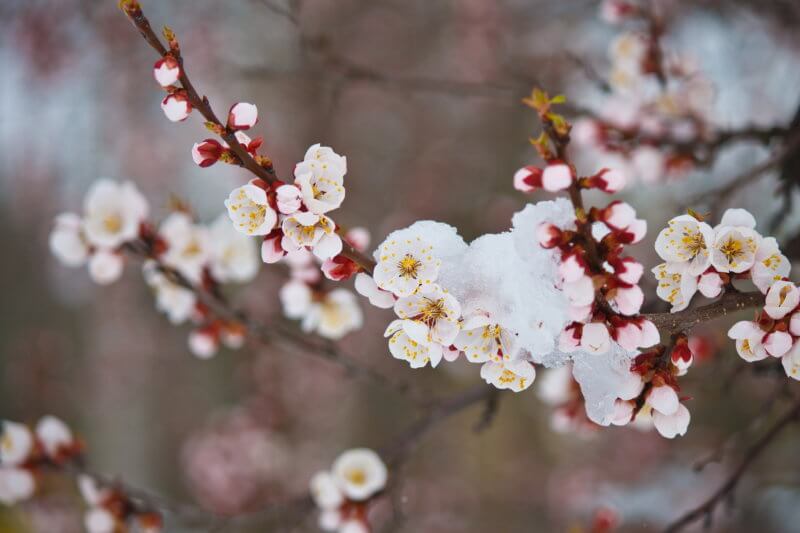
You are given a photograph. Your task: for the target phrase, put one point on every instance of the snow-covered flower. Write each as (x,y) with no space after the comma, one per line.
(595,338)
(404,265)
(515,375)
(16,443)
(431,315)
(481,339)
(674,285)
(105,266)
(242,116)
(54,435)
(318,232)
(770,264)
(579,292)
(176,106)
(686,240)
(782,298)
(207,152)
(233,256)
(113,213)
(166,71)
(67,240)
(249,209)
(749,339)
(188,245)
(325,491)
(366,286)
(16,485)
(359,473)
(177,302)
(674,425)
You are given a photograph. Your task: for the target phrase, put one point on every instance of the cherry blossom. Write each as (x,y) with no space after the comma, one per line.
(232,256)
(113,213)
(16,485)
(686,240)
(249,209)
(557,177)
(366,286)
(203,343)
(431,315)
(319,177)
(359,473)
(674,285)
(403,347)
(207,152)
(272,247)
(105,267)
(770,264)
(188,245)
(333,316)
(515,375)
(317,232)
(674,425)
(177,302)
(782,298)
(16,443)
(68,241)
(735,242)
(289,199)
(749,339)
(54,436)
(482,340)
(404,265)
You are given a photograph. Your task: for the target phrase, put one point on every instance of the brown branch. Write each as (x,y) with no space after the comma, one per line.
(726,490)
(204,108)
(671,323)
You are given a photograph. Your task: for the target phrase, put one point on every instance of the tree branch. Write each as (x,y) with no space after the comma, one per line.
(671,323)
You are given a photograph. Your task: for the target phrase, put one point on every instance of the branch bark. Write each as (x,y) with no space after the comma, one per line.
(671,323)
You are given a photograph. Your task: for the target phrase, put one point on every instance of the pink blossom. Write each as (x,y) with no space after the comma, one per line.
(528,179)
(242,116)
(166,71)
(176,106)
(557,177)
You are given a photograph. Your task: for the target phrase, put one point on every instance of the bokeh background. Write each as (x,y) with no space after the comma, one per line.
(423,96)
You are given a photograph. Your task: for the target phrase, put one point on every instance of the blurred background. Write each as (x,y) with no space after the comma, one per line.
(423,97)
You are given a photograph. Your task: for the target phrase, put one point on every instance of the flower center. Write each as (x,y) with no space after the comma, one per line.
(408,266)
(693,242)
(356,476)
(432,310)
(112,223)
(731,249)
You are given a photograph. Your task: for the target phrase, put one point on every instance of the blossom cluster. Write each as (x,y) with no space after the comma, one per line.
(344,492)
(705,259)
(657,106)
(293,217)
(182,257)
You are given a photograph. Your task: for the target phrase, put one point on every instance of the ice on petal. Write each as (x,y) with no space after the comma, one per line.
(601,377)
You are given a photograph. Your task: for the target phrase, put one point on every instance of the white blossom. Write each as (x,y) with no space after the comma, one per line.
(782,298)
(325,491)
(405,264)
(366,286)
(288,199)
(16,443)
(99,520)
(403,347)
(305,229)
(433,314)
(673,425)
(177,302)
(320,179)
(67,240)
(105,267)
(749,339)
(770,264)
(16,485)
(481,339)
(53,434)
(249,209)
(113,213)
(359,473)
(515,375)
(791,362)
(674,285)
(334,315)
(686,240)
(735,242)
(233,256)
(188,245)
(663,399)
(203,344)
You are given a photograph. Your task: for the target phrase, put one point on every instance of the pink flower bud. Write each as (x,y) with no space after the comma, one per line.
(618,215)
(242,116)
(629,270)
(778,343)
(528,179)
(710,284)
(167,71)
(271,249)
(570,338)
(608,180)
(176,106)
(548,235)
(288,198)
(557,177)
(572,267)
(358,238)
(628,335)
(580,292)
(339,268)
(663,399)
(595,338)
(203,343)
(629,300)
(206,153)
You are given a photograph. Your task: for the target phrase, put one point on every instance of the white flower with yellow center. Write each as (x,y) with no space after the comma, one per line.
(735,242)
(403,347)
(359,473)
(791,362)
(234,257)
(16,485)
(16,443)
(430,317)
(113,213)
(770,264)
(404,265)
(188,245)
(320,179)
(749,339)
(334,315)
(68,241)
(317,232)
(674,285)
(177,302)
(482,340)
(249,209)
(515,375)
(686,240)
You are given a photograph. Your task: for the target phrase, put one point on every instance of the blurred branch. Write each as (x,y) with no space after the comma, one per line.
(287,12)
(726,490)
